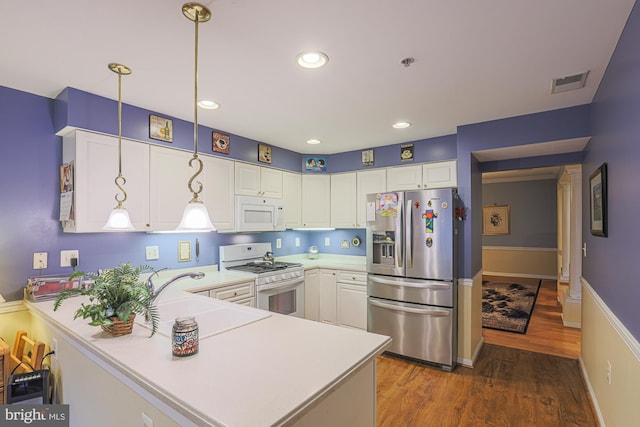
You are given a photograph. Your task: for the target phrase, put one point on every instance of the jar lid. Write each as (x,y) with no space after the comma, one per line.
(186,321)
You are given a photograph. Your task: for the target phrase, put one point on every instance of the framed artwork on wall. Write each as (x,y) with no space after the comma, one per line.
(220,143)
(598,201)
(495,220)
(264,153)
(160,128)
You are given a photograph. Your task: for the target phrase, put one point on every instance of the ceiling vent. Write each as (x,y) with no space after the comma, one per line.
(568,83)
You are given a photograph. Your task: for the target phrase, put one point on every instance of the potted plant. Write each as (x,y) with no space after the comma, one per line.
(115,297)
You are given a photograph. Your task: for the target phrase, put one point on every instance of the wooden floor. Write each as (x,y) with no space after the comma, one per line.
(530,379)
(546,333)
(507,387)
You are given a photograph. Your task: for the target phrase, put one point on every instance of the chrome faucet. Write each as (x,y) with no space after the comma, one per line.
(153,293)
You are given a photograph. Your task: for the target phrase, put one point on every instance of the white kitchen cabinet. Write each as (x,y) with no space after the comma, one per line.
(352,299)
(316,201)
(169,193)
(400,178)
(312,294)
(292,199)
(343,200)
(95,163)
(327,296)
(239,293)
(440,174)
(254,180)
(368,182)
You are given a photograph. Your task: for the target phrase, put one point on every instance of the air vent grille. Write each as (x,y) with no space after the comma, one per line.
(564,84)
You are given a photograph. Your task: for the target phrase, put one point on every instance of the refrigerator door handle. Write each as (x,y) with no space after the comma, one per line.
(409,234)
(399,242)
(406,283)
(423,311)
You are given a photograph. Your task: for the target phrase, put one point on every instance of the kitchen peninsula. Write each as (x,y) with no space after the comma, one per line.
(279,370)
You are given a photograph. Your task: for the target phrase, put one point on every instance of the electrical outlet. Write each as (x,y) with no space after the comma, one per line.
(278,243)
(608,372)
(146,420)
(297,242)
(39,260)
(152,253)
(327,241)
(65,258)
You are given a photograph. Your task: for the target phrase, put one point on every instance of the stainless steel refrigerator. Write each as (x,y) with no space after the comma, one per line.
(411,266)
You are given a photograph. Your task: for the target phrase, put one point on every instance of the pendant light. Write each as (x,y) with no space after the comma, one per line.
(195,216)
(119,218)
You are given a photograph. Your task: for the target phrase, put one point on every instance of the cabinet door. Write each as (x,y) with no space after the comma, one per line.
(316,201)
(168,191)
(327,309)
(218,192)
(343,200)
(404,178)
(95,158)
(311,294)
(291,196)
(271,183)
(372,181)
(247,179)
(352,305)
(440,174)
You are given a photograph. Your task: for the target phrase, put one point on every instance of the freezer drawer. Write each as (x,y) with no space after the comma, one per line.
(417,331)
(418,291)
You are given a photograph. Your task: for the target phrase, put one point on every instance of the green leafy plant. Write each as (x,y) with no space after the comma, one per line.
(117,292)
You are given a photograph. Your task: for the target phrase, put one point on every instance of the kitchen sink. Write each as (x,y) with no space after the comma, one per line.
(213,316)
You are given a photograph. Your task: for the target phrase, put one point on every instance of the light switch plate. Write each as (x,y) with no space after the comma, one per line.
(278,243)
(297,242)
(327,241)
(184,251)
(152,253)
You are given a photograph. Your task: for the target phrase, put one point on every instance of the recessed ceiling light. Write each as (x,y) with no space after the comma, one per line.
(208,105)
(313,141)
(312,59)
(401,125)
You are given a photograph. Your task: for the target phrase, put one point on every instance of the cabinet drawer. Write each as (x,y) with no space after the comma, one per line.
(234,292)
(355,277)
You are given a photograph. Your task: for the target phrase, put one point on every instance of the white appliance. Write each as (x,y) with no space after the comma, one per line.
(412,281)
(279,285)
(259,214)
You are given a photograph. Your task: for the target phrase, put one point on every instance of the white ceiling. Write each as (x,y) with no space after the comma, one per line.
(474,61)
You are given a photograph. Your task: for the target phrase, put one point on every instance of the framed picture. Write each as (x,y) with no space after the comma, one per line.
(598,201)
(220,143)
(264,153)
(160,128)
(495,220)
(315,164)
(367,158)
(406,153)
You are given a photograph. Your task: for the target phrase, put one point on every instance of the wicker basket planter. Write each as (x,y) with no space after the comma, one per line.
(119,327)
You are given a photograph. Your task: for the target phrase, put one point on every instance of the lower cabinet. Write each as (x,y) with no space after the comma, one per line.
(327,297)
(239,293)
(352,299)
(311,294)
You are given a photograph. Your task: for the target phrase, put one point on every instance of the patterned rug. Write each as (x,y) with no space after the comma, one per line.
(507,306)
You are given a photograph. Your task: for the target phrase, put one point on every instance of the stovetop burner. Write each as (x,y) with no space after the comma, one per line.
(263,267)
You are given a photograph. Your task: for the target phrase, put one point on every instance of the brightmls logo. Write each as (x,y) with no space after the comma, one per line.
(35,415)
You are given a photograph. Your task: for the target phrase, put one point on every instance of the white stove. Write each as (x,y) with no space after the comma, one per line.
(279,285)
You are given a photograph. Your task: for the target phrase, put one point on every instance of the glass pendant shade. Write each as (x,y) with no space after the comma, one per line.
(195,218)
(119,220)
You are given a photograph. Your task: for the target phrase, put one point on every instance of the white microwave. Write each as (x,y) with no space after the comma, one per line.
(259,214)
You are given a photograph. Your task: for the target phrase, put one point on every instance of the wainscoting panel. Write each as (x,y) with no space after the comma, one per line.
(520,261)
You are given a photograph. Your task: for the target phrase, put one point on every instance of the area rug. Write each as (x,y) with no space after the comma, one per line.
(507,306)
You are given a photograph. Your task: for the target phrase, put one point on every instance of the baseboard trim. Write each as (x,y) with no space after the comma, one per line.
(12,307)
(576,325)
(592,394)
(470,363)
(528,276)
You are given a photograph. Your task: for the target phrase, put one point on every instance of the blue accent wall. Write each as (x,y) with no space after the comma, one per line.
(611,265)
(533,219)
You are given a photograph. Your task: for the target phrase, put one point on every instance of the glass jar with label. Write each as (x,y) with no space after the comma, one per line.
(184,337)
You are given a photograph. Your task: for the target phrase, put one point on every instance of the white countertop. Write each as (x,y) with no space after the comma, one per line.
(260,374)
(331,261)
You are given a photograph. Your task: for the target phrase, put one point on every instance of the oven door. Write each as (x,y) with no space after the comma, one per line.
(284,297)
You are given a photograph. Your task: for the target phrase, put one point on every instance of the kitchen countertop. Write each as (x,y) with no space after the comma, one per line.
(279,366)
(331,261)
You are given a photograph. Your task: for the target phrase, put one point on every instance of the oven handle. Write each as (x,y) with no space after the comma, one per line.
(425,311)
(422,285)
(286,285)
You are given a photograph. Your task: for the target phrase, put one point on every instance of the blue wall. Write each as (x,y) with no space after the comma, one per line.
(611,265)
(533,207)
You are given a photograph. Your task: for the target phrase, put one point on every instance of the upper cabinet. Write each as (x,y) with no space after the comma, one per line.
(368,182)
(316,201)
(402,178)
(343,200)
(169,194)
(95,162)
(291,196)
(254,180)
(440,174)
(427,175)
